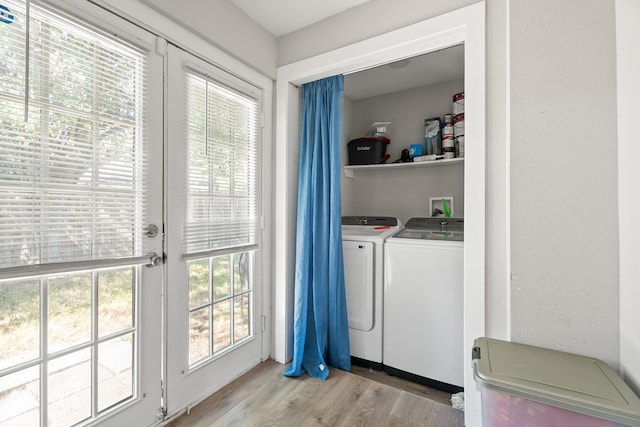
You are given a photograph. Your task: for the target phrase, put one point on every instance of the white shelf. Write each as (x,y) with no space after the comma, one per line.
(348,170)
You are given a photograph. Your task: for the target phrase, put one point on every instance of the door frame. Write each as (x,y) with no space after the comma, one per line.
(465,25)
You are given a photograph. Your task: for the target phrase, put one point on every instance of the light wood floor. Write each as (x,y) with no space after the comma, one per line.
(264,397)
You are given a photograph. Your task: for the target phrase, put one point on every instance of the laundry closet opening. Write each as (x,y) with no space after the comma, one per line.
(465,26)
(403,167)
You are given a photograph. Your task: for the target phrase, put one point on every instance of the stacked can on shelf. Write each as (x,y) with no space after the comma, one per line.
(444,137)
(458,123)
(448,144)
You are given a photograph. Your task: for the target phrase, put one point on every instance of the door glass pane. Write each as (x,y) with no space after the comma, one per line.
(199,335)
(241,317)
(20,398)
(115,371)
(115,300)
(19,322)
(221,325)
(69,310)
(81,139)
(227,319)
(222,135)
(198,282)
(69,394)
(221,277)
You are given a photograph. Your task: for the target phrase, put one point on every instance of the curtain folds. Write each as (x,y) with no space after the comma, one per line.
(321,334)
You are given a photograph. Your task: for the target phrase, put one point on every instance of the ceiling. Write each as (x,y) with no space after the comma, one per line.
(281,17)
(431,68)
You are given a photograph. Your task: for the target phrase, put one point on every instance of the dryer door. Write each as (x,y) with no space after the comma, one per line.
(359,283)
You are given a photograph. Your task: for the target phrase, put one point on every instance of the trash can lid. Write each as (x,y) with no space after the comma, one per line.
(564,380)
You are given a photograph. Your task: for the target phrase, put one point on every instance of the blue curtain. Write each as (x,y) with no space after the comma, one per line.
(321,334)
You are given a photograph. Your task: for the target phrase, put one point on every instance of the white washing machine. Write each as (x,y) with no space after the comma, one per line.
(363,238)
(423,302)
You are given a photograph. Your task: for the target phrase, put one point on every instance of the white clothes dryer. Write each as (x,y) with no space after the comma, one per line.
(423,303)
(363,239)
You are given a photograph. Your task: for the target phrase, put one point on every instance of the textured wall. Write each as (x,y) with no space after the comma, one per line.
(628,64)
(226,27)
(564,228)
(360,23)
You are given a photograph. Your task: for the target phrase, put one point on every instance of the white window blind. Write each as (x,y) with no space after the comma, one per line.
(222,136)
(71,141)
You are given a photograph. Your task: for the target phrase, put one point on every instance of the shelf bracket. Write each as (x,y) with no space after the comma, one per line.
(348,173)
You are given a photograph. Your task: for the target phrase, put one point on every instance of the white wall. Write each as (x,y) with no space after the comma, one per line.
(628,67)
(498,313)
(346,184)
(403,193)
(360,23)
(226,27)
(564,227)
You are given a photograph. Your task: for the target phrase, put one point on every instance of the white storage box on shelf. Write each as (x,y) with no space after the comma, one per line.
(523,385)
(380,130)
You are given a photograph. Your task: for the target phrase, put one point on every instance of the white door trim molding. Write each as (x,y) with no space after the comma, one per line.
(465,25)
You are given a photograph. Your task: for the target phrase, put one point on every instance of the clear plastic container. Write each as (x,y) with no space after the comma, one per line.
(523,385)
(380,130)
(433,136)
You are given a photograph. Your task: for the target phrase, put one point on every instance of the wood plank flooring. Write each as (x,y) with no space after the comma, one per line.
(264,397)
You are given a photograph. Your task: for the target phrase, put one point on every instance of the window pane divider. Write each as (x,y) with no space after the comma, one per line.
(37,361)
(218,252)
(221,299)
(35,270)
(21,366)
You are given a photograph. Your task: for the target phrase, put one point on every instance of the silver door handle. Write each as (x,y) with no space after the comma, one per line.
(151,259)
(154,260)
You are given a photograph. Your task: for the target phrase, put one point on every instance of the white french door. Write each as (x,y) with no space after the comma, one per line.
(131,217)
(80,194)
(214,323)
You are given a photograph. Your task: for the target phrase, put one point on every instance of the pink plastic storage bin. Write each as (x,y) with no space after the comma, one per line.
(527,386)
(506,410)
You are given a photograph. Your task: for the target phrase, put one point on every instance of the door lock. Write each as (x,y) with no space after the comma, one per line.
(151,230)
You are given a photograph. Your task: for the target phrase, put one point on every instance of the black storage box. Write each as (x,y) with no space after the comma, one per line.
(367,151)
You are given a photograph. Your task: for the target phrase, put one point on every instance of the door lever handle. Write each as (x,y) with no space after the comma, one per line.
(154,260)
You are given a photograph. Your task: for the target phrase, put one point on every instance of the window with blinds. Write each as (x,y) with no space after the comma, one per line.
(222,135)
(73,184)
(71,145)
(221,221)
